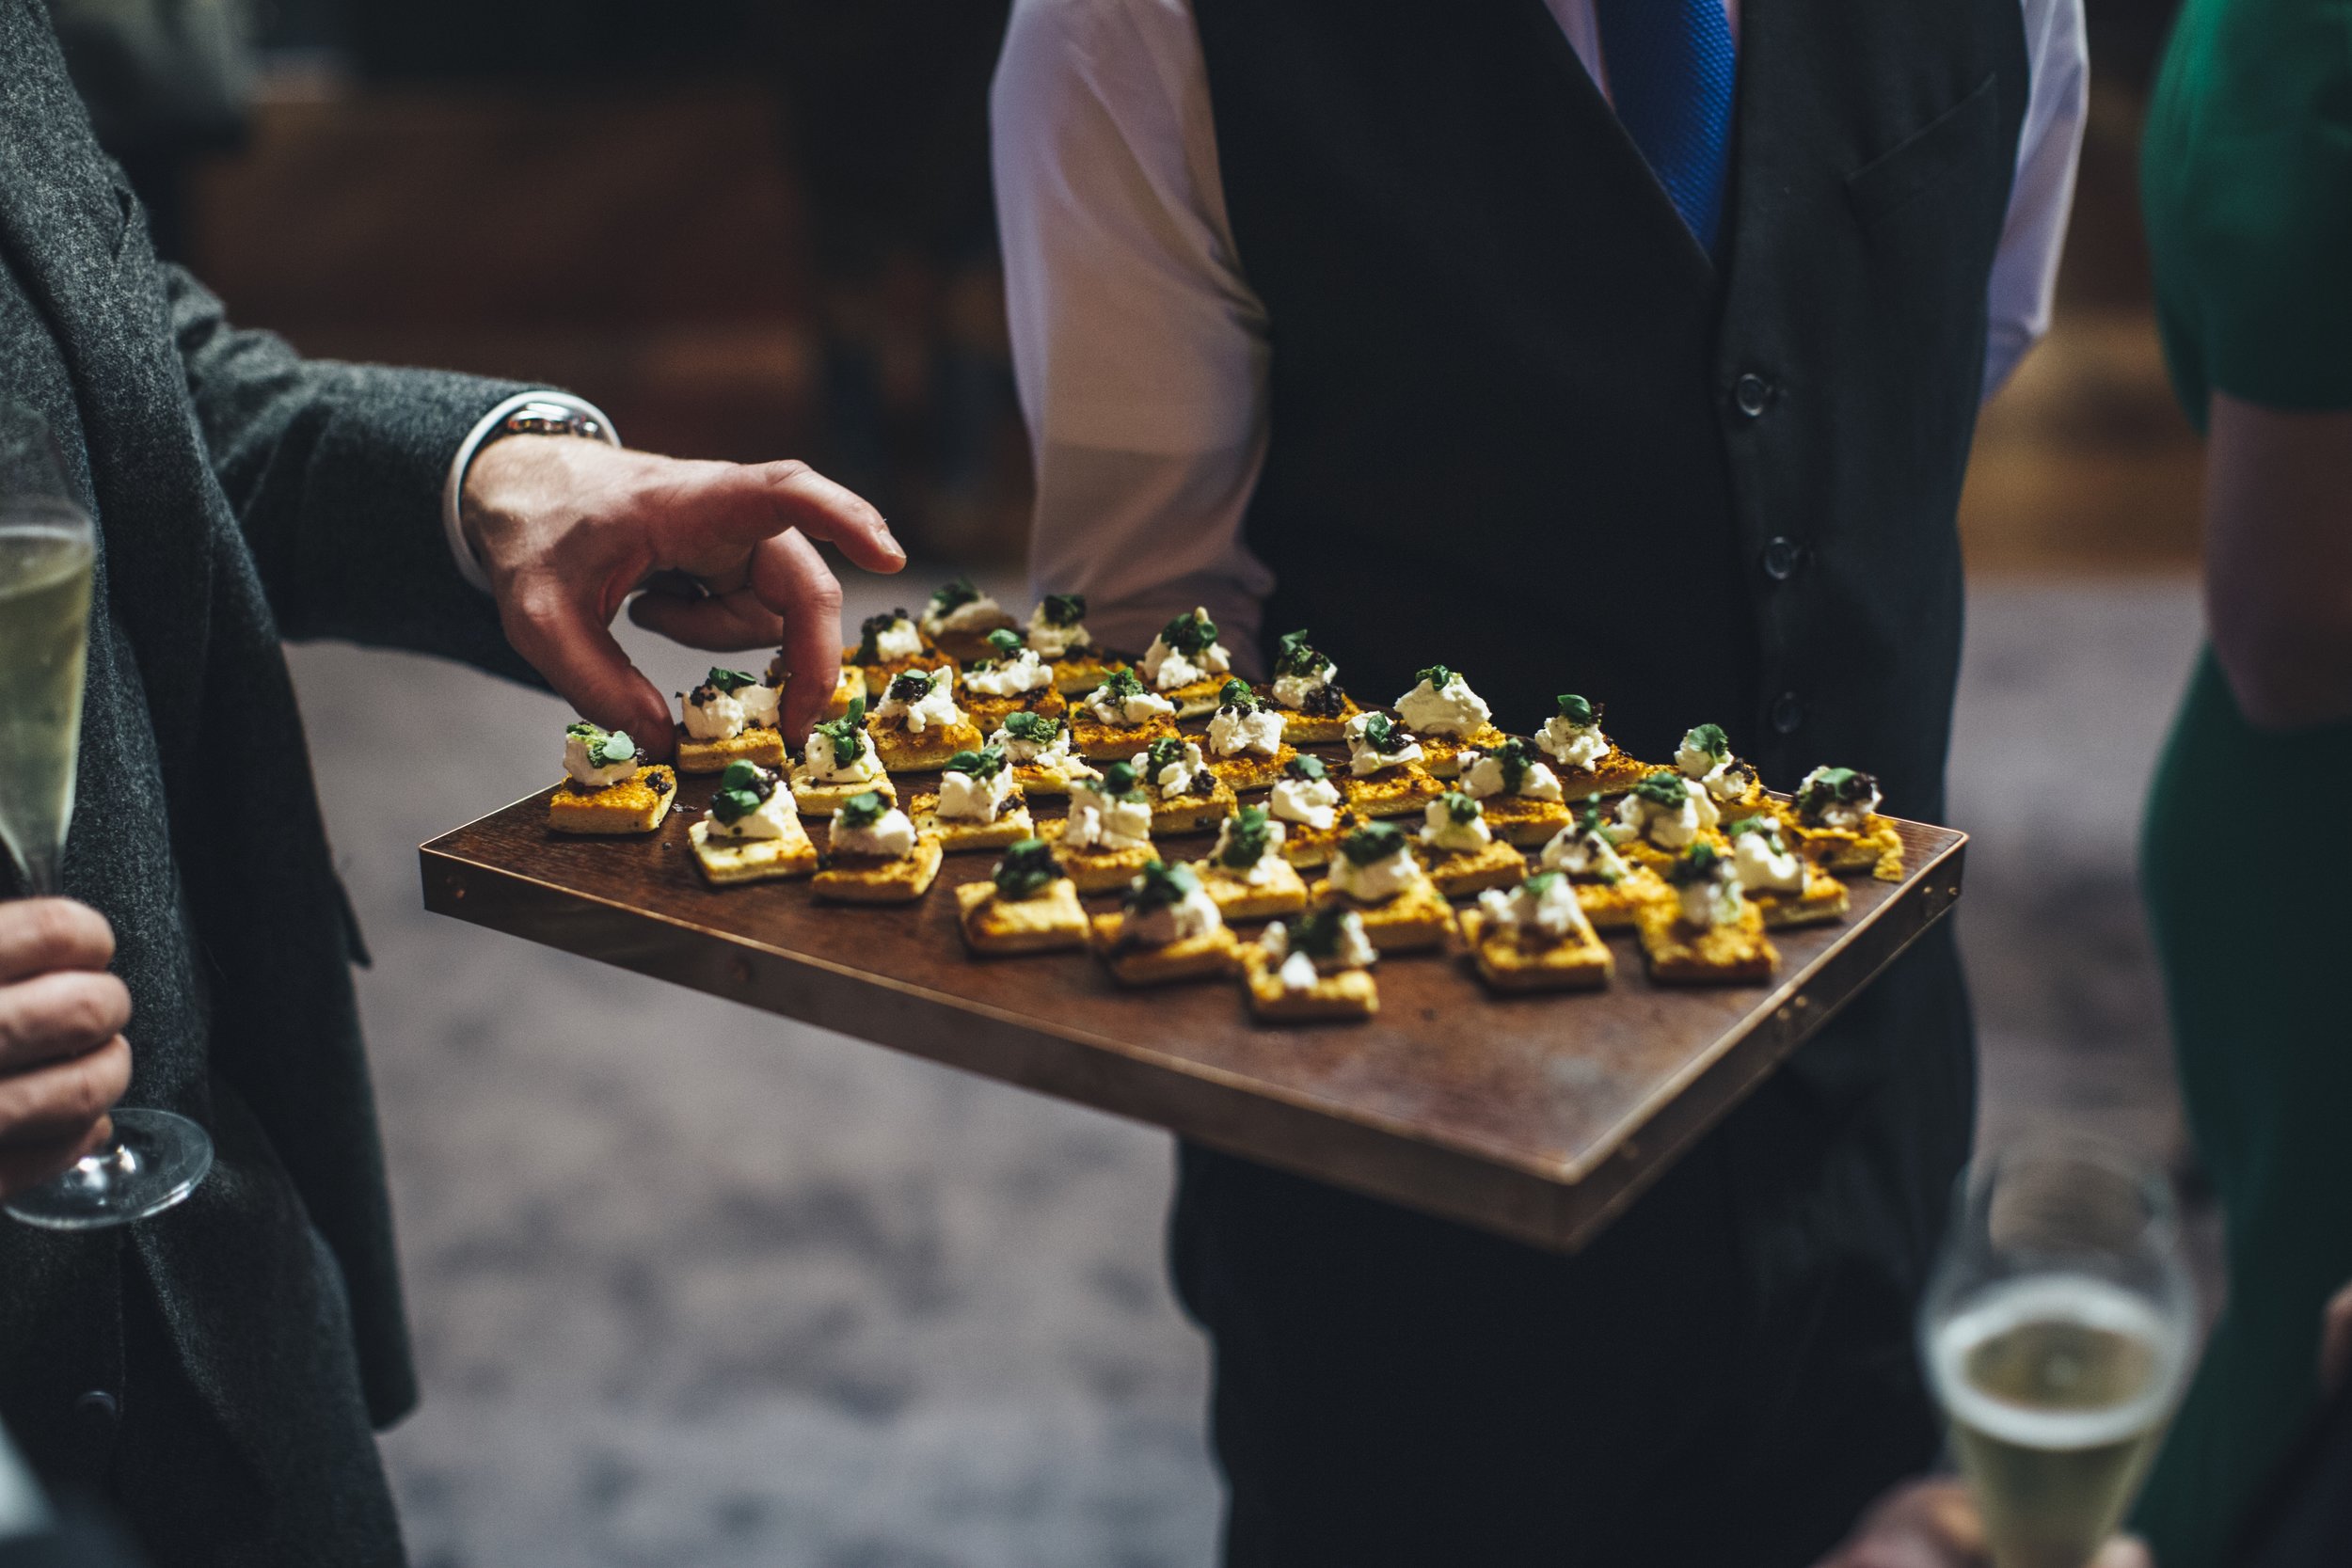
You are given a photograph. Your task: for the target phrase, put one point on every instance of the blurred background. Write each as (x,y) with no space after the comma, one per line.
(695,1286)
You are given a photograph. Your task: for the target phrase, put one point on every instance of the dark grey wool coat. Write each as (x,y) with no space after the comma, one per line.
(247,1340)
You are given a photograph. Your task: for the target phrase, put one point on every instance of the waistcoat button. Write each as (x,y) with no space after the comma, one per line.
(95,1412)
(1782,557)
(1787,713)
(1751,392)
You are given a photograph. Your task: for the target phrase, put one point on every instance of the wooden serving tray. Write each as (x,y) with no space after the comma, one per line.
(1540,1117)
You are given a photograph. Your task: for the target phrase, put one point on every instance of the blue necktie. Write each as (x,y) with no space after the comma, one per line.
(1670,65)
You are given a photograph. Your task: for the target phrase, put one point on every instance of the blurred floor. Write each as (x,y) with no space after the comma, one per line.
(694,1285)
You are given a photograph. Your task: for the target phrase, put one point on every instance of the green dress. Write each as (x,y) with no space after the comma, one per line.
(2246,178)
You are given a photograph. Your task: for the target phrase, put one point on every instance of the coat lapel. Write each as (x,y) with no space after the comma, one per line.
(75,243)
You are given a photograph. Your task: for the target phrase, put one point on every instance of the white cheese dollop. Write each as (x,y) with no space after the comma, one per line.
(1574,745)
(889,836)
(1099,822)
(1716,901)
(1851,816)
(1176,778)
(1233,732)
(776,817)
(1139,706)
(1586,856)
(817,756)
(1309,802)
(1481,776)
(1363,760)
(1167,669)
(1165,925)
(1299,969)
(1452,709)
(982,614)
(760,705)
(963,798)
(1695,761)
(1051,642)
(1441,831)
(1294,690)
(1553,915)
(900,640)
(1763,870)
(1667,827)
(1379,881)
(1011,677)
(589,777)
(1043,754)
(1262,869)
(935,709)
(716,717)
(1728,782)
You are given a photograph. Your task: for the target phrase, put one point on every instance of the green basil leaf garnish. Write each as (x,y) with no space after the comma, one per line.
(950,598)
(1664,789)
(1374,841)
(1028,867)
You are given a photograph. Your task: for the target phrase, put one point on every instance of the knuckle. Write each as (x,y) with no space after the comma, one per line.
(530,626)
(87,1013)
(787,471)
(91,1087)
(112,1067)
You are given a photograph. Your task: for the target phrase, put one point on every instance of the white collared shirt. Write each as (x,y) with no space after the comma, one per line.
(1141,348)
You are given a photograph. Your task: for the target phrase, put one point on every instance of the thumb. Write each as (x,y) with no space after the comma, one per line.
(2123,1551)
(577,655)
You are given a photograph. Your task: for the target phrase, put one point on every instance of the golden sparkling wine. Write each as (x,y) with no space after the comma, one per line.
(44,631)
(2058,1387)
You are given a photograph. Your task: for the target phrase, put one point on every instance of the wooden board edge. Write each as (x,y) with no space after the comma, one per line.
(1550,1209)
(1202,1106)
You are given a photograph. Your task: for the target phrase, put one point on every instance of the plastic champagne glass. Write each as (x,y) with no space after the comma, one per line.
(47,550)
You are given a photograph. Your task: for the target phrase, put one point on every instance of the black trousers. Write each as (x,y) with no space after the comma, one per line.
(1723,1378)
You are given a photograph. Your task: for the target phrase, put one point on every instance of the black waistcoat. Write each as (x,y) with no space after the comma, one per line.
(1521,423)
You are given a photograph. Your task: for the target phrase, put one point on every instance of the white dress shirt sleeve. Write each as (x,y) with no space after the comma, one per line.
(2025,271)
(454,488)
(1139,352)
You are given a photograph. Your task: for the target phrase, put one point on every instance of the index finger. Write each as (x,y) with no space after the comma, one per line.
(580,659)
(770,498)
(793,579)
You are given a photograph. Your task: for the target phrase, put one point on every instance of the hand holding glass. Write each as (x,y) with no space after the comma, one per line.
(47,552)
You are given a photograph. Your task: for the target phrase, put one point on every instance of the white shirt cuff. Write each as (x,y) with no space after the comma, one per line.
(454,490)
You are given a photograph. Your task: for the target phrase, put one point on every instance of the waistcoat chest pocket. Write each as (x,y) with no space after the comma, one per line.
(1952,143)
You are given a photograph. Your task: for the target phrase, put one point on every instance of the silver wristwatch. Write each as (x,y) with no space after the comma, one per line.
(537,413)
(540,417)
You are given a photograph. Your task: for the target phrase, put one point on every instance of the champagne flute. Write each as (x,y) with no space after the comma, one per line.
(2057,1330)
(47,550)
